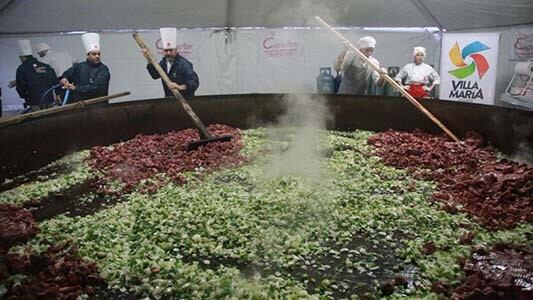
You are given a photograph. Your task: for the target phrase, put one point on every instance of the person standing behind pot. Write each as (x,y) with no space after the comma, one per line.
(89,79)
(356,73)
(34,79)
(178,68)
(420,78)
(59,61)
(337,67)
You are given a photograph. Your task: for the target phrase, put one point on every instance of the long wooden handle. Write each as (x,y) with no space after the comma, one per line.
(204,134)
(391,81)
(45,112)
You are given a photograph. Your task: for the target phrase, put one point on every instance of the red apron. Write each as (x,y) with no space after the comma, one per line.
(417,91)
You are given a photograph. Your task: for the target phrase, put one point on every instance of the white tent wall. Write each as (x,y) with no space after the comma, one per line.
(244,61)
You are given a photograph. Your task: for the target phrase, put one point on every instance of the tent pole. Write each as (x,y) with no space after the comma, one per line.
(229,14)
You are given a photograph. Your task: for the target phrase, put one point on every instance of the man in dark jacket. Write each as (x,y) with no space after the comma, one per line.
(34,79)
(89,79)
(179,69)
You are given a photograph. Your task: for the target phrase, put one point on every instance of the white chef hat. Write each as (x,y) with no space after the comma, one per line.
(24,47)
(417,50)
(169,37)
(367,42)
(91,42)
(42,47)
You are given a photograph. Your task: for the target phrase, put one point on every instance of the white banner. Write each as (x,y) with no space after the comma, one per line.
(281,43)
(468,67)
(272,60)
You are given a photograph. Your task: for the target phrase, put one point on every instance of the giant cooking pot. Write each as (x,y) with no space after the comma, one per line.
(35,143)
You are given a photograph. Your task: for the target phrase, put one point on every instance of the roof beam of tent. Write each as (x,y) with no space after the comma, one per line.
(5,6)
(426,12)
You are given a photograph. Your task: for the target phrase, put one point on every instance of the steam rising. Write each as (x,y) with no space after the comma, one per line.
(305,121)
(301,128)
(524,152)
(330,11)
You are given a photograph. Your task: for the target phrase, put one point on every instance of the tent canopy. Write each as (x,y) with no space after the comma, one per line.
(25,16)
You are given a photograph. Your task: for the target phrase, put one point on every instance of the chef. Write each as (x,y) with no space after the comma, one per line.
(178,68)
(356,72)
(89,79)
(418,78)
(34,79)
(59,61)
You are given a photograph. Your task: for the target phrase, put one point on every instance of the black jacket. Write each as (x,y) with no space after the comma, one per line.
(34,78)
(181,72)
(91,81)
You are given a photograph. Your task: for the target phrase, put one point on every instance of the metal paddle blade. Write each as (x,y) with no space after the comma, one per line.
(194,145)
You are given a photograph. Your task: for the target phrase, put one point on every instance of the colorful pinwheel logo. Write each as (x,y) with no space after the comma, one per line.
(471,50)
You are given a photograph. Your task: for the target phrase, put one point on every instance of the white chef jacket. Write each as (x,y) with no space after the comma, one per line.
(422,73)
